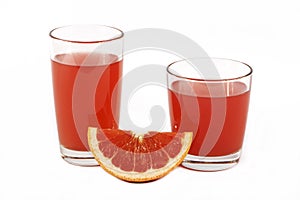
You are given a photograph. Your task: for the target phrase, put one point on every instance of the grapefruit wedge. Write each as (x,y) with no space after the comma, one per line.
(138,157)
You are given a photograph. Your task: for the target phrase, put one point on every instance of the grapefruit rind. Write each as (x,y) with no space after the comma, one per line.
(132,176)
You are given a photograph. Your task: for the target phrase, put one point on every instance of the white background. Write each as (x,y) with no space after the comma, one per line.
(265,34)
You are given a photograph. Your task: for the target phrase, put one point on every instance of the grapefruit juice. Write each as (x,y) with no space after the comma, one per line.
(186,98)
(73,77)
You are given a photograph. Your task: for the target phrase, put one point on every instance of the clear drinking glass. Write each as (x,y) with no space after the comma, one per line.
(210,97)
(86,68)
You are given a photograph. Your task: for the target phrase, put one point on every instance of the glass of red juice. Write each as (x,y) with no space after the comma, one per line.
(210,97)
(86,72)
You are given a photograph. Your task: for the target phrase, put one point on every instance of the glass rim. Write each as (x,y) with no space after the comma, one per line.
(86,42)
(210,80)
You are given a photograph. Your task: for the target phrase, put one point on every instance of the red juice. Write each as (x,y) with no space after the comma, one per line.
(84,89)
(191,109)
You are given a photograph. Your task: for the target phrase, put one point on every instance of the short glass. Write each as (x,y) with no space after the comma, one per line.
(86,68)
(210,97)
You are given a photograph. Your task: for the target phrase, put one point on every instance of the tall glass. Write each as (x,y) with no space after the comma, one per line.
(210,97)
(86,67)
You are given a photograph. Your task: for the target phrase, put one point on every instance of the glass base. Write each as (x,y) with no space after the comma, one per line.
(211,163)
(79,158)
